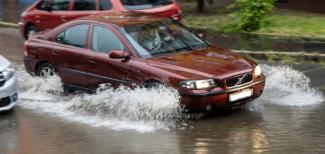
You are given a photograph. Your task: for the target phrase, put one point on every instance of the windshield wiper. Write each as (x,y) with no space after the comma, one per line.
(199,46)
(172,51)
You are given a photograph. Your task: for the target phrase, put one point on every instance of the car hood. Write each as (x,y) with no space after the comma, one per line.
(205,63)
(4,63)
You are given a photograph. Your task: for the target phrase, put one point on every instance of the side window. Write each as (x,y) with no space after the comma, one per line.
(43,5)
(105,5)
(84,5)
(105,41)
(74,36)
(60,5)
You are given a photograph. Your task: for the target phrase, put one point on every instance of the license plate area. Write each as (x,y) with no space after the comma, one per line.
(239,95)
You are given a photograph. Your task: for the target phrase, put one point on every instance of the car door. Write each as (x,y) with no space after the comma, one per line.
(72,55)
(103,68)
(53,16)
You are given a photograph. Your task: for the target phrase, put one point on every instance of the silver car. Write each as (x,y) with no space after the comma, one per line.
(8,85)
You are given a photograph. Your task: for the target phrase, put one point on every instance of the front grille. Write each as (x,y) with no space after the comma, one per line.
(2,80)
(239,80)
(5,101)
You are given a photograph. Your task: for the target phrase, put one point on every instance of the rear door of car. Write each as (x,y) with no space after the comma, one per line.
(82,8)
(103,68)
(48,19)
(71,54)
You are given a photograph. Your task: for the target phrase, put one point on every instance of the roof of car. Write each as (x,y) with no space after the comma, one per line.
(123,18)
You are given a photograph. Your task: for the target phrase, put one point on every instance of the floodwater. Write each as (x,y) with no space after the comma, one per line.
(288,118)
(253,42)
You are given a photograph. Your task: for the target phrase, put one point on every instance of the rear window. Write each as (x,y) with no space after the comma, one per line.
(144,4)
(74,36)
(105,5)
(84,5)
(56,5)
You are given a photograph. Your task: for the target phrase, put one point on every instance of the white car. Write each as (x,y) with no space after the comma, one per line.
(8,85)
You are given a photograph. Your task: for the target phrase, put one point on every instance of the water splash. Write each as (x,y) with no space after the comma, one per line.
(146,110)
(287,87)
(123,108)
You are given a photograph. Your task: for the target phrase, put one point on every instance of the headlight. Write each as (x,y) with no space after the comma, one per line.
(8,72)
(257,71)
(197,84)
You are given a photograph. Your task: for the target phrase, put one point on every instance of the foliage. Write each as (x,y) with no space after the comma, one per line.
(284,23)
(251,15)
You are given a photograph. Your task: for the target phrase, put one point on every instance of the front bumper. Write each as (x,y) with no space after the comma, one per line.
(8,94)
(220,99)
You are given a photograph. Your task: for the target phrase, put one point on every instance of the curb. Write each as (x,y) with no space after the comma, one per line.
(8,24)
(283,56)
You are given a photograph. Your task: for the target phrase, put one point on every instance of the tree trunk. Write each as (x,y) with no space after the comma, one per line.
(200,6)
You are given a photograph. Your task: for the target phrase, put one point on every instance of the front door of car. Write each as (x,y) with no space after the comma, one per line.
(103,68)
(71,56)
(53,13)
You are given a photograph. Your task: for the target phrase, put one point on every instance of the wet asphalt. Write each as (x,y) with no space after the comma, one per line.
(286,119)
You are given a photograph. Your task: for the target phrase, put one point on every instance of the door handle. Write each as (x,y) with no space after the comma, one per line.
(55,53)
(92,61)
(63,18)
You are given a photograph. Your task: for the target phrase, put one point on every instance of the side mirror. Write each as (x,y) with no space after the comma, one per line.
(119,54)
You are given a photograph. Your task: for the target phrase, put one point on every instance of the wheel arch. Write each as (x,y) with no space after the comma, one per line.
(38,64)
(147,82)
(27,25)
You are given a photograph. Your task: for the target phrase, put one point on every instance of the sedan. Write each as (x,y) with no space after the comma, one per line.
(8,85)
(137,49)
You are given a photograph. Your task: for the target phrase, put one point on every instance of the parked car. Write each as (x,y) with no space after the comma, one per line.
(8,85)
(47,14)
(127,48)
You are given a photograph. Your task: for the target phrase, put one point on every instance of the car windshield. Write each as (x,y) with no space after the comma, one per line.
(144,4)
(151,39)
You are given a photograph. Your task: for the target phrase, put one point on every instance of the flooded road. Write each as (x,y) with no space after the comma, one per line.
(288,118)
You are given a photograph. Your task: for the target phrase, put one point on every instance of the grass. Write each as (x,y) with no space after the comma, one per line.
(282,23)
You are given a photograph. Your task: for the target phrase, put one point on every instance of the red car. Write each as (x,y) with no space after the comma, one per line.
(47,14)
(127,48)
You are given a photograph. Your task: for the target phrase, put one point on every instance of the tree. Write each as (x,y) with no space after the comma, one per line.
(252,14)
(200,6)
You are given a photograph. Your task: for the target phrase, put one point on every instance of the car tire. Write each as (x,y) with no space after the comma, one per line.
(31,29)
(46,70)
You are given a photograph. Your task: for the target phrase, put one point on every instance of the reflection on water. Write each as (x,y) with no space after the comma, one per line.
(253,42)
(10,10)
